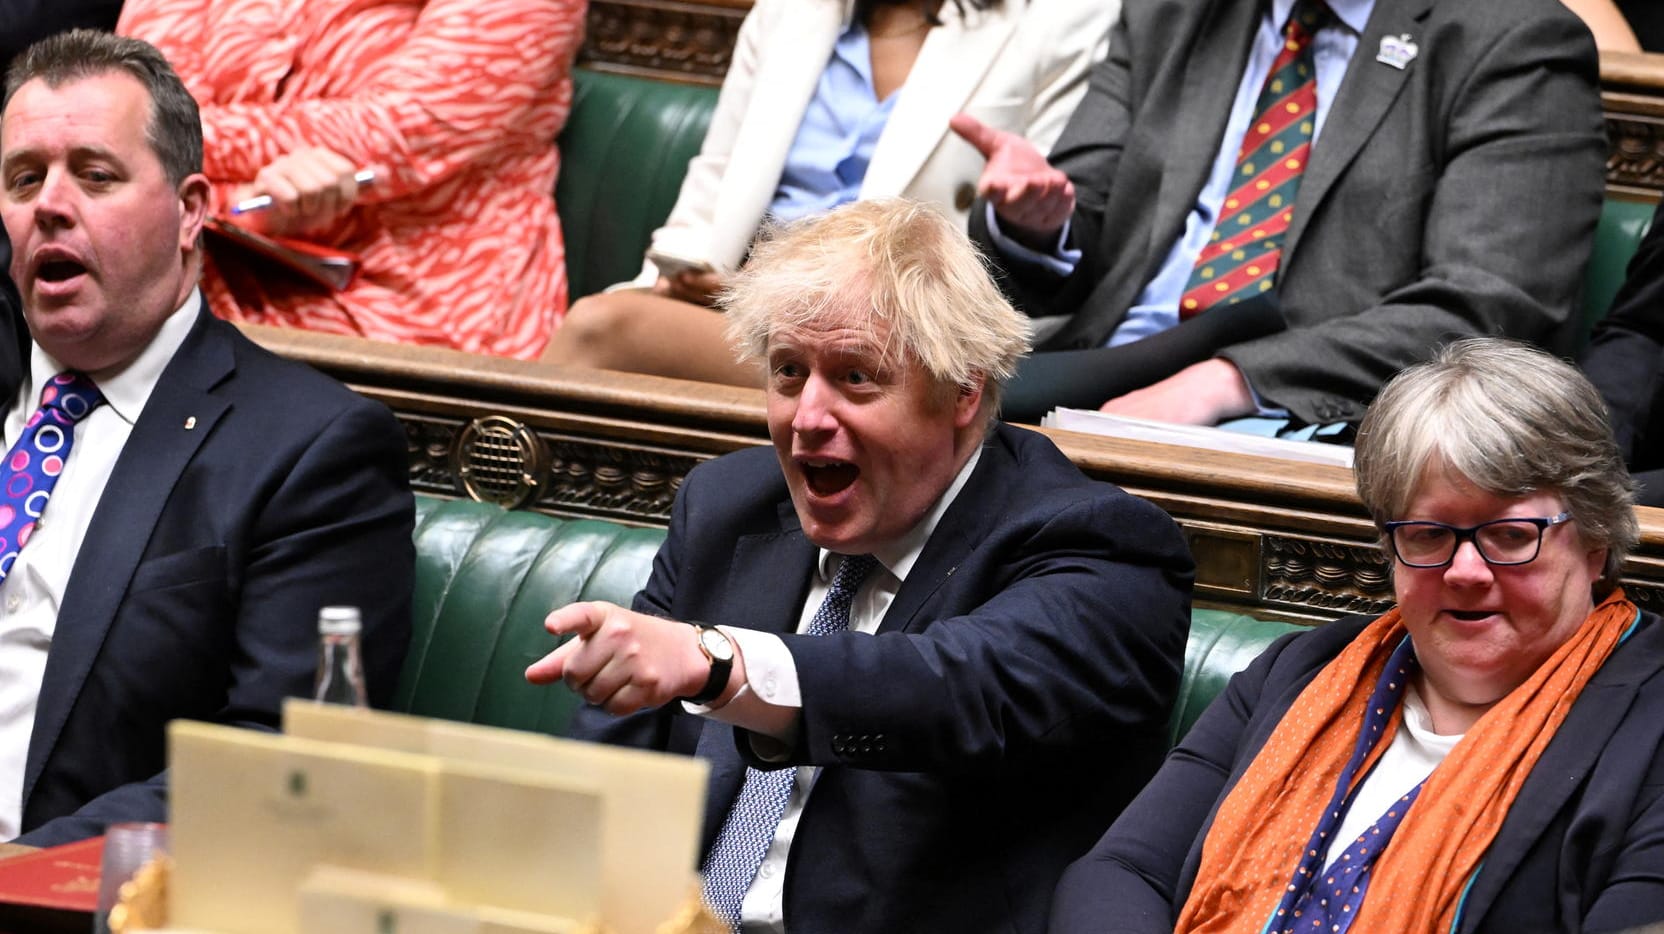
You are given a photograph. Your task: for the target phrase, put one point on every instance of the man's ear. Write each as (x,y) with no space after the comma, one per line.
(193,209)
(967,403)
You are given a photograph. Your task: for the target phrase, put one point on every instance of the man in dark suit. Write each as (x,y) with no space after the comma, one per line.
(1625,361)
(1452,188)
(211,499)
(945,653)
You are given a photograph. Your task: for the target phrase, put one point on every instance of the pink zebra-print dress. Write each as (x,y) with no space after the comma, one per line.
(454,104)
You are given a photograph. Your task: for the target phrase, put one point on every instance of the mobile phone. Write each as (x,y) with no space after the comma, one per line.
(671,265)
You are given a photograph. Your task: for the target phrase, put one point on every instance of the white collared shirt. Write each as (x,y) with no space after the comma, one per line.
(772,675)
(34,590)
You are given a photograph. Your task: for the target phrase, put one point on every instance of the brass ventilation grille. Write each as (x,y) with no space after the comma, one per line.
(500,460)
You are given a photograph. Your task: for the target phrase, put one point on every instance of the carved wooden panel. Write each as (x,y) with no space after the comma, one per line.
(583,476)
(666,39)
(1273,538)
(1635,158)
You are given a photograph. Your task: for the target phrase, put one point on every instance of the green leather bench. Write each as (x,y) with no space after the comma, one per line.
(485,578)
(623,152)
(1622,225)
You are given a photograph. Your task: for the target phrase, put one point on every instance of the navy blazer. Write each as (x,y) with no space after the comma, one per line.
(1581,849)
(252,491)
(1625,361)
(1014,698)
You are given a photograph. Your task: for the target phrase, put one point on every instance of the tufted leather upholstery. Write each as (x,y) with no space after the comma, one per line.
(485,578)
(624,150)
(1221,644)
(1622,225)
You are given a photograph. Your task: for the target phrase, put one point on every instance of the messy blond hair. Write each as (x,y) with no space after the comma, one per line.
(888,266)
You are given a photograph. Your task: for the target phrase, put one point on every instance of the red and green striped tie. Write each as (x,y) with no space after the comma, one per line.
(1240,259)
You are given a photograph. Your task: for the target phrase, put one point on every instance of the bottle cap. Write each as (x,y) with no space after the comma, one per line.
(339,621)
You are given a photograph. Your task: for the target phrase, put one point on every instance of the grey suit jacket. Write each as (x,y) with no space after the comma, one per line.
(1453,197)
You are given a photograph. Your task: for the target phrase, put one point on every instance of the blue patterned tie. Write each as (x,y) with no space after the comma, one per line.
(749,829)
(33,464)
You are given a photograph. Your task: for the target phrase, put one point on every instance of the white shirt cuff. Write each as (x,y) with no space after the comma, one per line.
(770,671)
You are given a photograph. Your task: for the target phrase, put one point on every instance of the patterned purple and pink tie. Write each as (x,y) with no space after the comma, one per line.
(33,464)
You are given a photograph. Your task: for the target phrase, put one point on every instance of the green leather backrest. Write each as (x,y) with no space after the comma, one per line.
(1622,225)
(485,578)
(1221,644)
(623,152)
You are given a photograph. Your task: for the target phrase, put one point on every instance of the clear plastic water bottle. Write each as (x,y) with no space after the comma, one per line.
(340,665)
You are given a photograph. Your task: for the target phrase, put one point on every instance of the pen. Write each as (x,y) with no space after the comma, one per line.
(261,202)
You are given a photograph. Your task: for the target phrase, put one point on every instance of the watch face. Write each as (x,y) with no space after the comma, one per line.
(717,644)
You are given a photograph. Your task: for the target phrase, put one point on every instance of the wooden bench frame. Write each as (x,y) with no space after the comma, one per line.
(1277,539)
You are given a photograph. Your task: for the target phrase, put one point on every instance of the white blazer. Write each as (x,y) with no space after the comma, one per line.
(1020,67)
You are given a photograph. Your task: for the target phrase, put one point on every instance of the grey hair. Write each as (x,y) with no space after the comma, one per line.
(892,261)
(174,130)
(1512,420)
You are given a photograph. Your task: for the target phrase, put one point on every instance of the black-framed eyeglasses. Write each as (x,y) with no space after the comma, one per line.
(1501,542)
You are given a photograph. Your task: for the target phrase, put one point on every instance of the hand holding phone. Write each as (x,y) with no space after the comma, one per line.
(672,266)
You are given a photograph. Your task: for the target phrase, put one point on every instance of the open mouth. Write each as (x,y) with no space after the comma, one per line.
(1470,616)
(826,478)
(59,270)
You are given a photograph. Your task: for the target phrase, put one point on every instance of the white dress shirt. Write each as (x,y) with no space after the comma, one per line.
(34,590)
(772,676)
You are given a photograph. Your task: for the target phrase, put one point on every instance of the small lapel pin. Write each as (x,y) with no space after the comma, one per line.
(190,422)
(1397,51)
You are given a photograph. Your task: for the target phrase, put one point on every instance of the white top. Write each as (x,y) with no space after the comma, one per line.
(34,590)
(772,675)
(1415,752)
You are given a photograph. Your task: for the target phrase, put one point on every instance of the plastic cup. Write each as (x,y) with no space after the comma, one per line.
(127,847)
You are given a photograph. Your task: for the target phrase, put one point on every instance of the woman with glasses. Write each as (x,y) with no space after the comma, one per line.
(1483,757)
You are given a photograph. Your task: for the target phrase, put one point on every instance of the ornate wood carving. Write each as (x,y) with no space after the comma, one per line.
(1325,577)
(1271,538)
(616,481)
(665,39)
(1635,158)
(584,476)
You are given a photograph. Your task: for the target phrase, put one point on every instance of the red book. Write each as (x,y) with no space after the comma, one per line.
(333,269)
(55,889)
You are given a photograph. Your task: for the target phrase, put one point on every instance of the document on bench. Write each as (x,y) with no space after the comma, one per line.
(1197,436)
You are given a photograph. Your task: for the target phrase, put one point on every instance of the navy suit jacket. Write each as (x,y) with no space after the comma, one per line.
(252,491)
(1625,361)
(1581,849)
(1014,698)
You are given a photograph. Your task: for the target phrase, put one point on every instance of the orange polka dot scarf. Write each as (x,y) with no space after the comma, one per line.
(1259,839)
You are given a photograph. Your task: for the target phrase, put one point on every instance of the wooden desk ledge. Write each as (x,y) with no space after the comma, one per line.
(1274,538)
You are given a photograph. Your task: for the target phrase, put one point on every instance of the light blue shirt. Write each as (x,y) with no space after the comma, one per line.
(1157,307)
(833,147)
